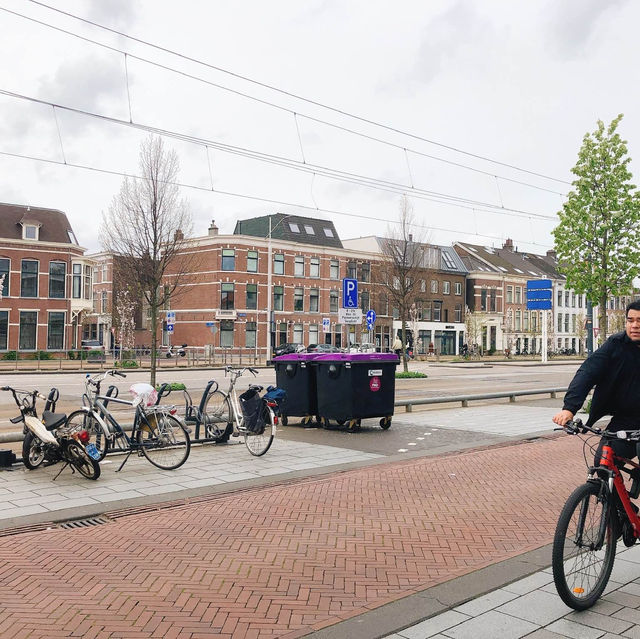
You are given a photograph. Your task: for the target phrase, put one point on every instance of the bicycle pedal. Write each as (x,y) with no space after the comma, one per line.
(235,434)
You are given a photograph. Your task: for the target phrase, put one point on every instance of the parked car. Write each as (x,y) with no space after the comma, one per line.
(323,348)
(91,345)
(367,347)
(286,349)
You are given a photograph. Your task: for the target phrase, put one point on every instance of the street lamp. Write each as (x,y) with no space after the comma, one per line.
(269,278)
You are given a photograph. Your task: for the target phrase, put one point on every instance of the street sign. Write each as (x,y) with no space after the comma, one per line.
(171,317)
(350,316)
(538,284)
(371,318)
(209,323)
(169,328)
(326,324)
(539,295)
(349,293)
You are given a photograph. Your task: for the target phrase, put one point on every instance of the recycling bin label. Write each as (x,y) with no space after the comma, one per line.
(374,384)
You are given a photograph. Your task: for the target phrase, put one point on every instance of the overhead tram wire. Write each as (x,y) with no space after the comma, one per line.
(327,172)
(257,198)
(283,92)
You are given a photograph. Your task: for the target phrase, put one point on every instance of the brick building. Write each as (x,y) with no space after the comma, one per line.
(47,288)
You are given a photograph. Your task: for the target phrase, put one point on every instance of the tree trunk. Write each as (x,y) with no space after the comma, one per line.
(405,366)
(602,318)
(154,341)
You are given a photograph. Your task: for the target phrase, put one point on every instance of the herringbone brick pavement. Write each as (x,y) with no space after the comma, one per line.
(283,560)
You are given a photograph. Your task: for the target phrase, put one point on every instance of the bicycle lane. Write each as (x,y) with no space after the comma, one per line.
(289,559)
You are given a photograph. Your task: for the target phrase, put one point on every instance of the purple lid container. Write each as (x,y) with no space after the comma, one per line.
(296,357)
(363,358)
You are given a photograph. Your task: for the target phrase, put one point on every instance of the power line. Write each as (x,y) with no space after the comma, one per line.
(257,198)
(288,94)
(327,172)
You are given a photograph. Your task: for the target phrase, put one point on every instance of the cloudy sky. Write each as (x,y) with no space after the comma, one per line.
(474,108)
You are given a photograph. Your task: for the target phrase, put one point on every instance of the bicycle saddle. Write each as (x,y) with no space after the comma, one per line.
(51,420)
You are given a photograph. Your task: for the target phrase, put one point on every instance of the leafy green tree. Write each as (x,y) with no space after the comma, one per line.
(598,238)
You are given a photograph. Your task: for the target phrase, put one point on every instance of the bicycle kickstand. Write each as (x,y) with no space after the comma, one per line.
(60,471)
(125,461)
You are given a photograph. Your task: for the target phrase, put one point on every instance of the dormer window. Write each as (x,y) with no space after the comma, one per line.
(30,231)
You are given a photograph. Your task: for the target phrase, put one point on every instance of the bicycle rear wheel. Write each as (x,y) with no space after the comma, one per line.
(584,546)
(79,420)
(259,443)
(164,441)
(216,417)
(78,457)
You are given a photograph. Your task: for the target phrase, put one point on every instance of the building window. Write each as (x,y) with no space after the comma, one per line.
(426,311)
(559,297)
(333,301)
(103,302)
(334,270)
(314,267)
(278,264)
(434,286)
(383,304)
(566,321)
(579,301)
(458,313)
(4,270)
(298,299)
(518,295)
(294,227)
(313,300)
(492,300)
(282,330)
(28,325)
(423,286)
(278,297)
(29,279)
(4,330)
(57,274)
(313,333)
(299,266)
(518,319)
(328,232)
(566,299)
(252,297)
(364,301)
(30,232)
(250,334)
(226,296)
(437,311)
(526,321)
(87,283)
(298,334)
(55,333)
(365,272)
(458,288)
(309,229)
(483,300)
(77,281)
(252,261)
(105,272)
(509,294)
(228,260)
(573,300)
(226,333)
(559,322)
(446,288)
(352,270)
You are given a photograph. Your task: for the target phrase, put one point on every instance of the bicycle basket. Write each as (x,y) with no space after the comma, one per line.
(253,410)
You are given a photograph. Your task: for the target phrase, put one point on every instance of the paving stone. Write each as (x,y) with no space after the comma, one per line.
(532,582)
(538,607)
(486,602)
(632,633)
(628,614)
(434,625)
(491,625)
(623,599)
(594,620)
(543,633)
(566,628)
(624,571)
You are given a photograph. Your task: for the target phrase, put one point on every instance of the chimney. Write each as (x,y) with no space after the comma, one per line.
(508,244)
(410,237)
(178,235)
(552,254)
(213,229)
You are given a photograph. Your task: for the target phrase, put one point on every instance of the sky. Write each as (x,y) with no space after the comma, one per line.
(333,109)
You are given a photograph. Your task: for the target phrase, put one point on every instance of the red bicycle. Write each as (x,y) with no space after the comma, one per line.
(594,517)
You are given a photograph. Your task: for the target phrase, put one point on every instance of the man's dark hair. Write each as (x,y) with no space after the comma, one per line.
(633,306)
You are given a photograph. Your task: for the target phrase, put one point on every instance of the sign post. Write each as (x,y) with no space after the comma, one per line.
(540,297)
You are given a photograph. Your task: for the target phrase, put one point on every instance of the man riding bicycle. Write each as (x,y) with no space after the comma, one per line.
(614,370)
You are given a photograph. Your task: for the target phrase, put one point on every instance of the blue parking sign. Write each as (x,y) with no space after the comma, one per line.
(349,293)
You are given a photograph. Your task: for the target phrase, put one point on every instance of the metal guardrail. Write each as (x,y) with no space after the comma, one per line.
(407,403)
(465,399)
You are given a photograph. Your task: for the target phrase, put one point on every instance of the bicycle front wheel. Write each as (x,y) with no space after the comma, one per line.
(584,546)
(216,417)
(78,457)
(259,443)
(164,441)
(79,420)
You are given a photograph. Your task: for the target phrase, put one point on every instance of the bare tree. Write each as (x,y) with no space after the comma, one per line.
(403,261)
(145,227)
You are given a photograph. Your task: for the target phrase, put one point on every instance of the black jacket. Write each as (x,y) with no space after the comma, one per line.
(614,370)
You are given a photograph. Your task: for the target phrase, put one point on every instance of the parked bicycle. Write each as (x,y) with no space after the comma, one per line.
(250,415)
(209,422)
(595,515)
(156,434)
(51,439)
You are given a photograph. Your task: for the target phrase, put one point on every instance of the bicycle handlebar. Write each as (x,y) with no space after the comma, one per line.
(240,371)
(575,427)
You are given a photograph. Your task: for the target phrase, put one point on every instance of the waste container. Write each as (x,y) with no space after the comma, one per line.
(296,375)
(354,386)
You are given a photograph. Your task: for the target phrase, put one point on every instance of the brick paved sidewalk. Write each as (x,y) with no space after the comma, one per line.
(284,560)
